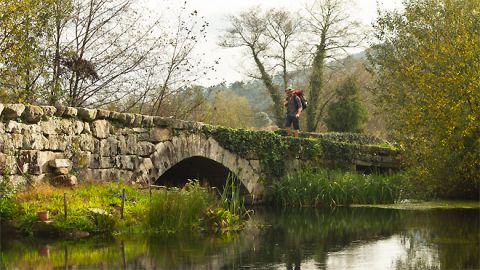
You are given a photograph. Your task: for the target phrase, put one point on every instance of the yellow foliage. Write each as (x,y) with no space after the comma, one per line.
(230,110)
(428,68)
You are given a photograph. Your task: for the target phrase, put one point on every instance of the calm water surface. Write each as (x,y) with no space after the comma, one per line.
(348,238)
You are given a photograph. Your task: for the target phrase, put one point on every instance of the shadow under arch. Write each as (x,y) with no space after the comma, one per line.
(208,172)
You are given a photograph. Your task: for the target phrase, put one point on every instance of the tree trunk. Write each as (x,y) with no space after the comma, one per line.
(316,84)
(284,64)
(274,93)
(55,87)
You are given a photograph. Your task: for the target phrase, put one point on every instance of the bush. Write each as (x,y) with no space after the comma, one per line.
(8,207)
(81,200)
(95,208)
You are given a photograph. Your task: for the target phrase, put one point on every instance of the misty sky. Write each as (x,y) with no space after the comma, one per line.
(215,12)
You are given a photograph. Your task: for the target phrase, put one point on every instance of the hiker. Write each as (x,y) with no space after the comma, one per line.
(294,108)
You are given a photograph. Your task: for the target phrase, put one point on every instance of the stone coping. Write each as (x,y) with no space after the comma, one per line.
(33,114)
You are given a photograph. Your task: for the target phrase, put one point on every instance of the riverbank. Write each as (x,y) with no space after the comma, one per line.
(116,208)
(322,187)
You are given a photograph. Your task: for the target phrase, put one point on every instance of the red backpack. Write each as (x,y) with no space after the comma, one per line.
(299,93)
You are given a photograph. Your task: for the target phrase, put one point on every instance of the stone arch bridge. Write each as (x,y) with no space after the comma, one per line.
(45,142)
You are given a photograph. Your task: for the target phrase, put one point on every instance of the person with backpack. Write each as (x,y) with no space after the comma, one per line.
(294,107)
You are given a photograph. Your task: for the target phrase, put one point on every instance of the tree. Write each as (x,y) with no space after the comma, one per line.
(181,66)
(187,104)
(23,37)
(174,65)
(228,109)
(427,65)
(347,113)
(256,94)
(104,45)
(256,31)
(282,29)
(217,105)
(329,25)
(97,53)
(62,12)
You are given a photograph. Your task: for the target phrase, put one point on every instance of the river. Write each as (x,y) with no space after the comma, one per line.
(342,238)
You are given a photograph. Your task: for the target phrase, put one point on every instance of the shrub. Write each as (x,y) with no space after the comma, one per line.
(8,208)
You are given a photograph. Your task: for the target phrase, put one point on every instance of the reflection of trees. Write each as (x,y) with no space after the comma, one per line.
(180,251)
(450,237)
(432,239)
(308,234)
(185,251)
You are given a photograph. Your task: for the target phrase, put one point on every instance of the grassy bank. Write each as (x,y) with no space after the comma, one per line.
(96,208)
(319,187)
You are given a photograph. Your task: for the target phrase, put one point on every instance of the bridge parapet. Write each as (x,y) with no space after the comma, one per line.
(278,153)
(102,144)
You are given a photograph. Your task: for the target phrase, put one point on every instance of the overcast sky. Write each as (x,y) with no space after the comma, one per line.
(215,12)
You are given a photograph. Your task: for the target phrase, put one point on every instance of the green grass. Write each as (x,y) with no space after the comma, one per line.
(171,210)
(105,196)
(325,187)
(193,207)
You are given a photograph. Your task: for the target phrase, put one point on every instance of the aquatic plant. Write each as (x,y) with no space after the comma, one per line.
(175,210)
(326,187)
(231,198)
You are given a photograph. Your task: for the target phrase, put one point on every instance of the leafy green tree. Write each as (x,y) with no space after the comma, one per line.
(23,35)
(347,114)
(427,63)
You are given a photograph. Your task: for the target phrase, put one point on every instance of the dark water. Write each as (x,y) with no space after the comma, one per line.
(349,238)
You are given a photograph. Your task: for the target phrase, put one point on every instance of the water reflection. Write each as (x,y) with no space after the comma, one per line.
(334,239)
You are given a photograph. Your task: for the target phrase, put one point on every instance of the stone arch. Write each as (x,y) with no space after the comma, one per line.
(169,153)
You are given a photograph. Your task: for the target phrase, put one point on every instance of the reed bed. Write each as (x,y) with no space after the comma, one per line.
(175,210)
(326,187)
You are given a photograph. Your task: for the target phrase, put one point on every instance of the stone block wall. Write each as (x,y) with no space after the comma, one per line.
(101,144)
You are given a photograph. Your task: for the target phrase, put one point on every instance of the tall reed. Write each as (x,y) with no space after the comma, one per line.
(231,198)
(325,187)
(175,210)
